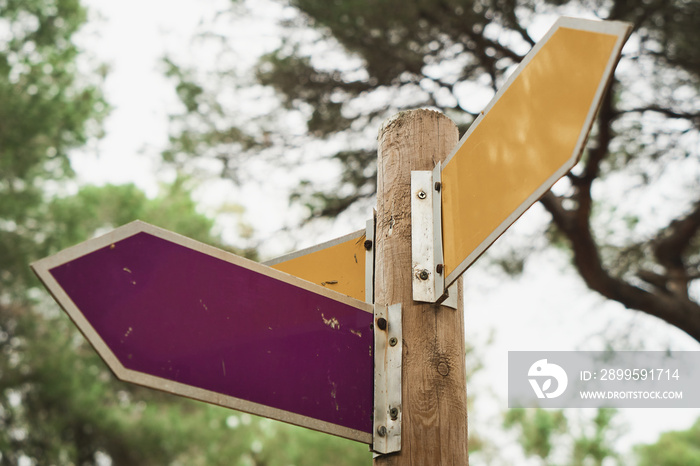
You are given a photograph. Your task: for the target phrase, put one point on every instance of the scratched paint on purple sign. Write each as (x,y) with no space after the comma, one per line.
(176,313)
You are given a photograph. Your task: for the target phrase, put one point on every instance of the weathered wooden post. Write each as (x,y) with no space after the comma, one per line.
(434,397)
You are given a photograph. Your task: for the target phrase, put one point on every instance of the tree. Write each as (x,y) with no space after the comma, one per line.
(344,67)
(536,429)
(58,402)
(540,431)
(47,109)
(555,438)
(675,448)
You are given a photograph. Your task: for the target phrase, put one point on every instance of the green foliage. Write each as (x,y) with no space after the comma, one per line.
(199,129)
(299,446)
(188,91)
(674,27)
(537,427)
(598,444)
(59,404)
(47,109)
(99,208)
(550,435)
(397,39)
(676,448)
(297,81)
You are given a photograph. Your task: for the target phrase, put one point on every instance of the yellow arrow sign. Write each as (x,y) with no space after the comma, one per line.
(338,265)
(529,136)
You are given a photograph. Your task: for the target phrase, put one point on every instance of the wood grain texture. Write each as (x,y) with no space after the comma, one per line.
(434,411)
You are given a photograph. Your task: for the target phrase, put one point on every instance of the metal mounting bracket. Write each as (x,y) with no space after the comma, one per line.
(427,262)
(387,379)
(451,296)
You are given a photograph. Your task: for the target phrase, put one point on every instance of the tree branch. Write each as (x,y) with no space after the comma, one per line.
(694,117)
(669,248)
(683,314)
(575,225)
(598,153)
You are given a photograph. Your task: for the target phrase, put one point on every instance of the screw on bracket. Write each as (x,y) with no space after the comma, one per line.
(393,341)
(423,274)
(394,413)
(381,431)
(422,194)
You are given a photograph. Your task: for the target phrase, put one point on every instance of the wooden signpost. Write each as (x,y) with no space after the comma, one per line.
(351,337)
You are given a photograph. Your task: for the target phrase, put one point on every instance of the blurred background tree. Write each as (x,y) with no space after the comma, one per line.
(59,404)
(547,434)
(676,448)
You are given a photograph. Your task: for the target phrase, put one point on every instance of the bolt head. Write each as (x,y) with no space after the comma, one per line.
(394,413)
(381,323)
(368,244)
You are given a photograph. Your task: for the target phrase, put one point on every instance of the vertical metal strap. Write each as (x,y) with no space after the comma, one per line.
(426,236)
(388,346)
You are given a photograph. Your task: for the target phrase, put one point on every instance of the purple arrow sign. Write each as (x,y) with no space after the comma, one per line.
(170,313)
